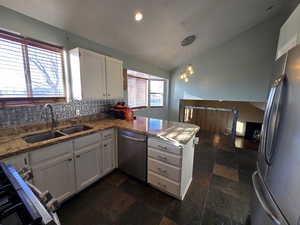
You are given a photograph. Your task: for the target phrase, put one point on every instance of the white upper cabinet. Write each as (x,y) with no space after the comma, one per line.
(95,76)
(114,78)
(289,33)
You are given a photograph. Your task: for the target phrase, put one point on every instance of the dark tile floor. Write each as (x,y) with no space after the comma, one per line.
(219,194)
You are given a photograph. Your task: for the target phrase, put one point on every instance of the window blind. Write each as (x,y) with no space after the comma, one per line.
(30,69)
(137,92)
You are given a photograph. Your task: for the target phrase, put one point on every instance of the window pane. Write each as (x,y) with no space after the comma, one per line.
(46,72)
(12,75)
(156,86)
(156,99)
(137,92)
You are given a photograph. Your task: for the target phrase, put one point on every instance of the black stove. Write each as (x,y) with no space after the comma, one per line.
(18,204)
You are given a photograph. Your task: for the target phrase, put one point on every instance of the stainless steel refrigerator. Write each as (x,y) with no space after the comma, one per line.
(277,179)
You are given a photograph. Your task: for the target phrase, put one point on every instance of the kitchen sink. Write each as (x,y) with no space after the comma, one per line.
(75,129)
(42,136)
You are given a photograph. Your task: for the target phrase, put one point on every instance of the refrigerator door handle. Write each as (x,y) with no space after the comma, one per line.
(261,199)
(275,87)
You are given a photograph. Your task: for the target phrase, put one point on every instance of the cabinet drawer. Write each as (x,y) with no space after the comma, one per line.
(108,134)
(163,183)
(81,142)
(164,146)
(168,171)
(165,157)
(53,151)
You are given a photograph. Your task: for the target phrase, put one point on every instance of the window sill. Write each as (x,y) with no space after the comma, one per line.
(144,107)
(18,102)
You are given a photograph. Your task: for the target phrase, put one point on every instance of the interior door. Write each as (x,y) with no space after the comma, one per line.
(92,75)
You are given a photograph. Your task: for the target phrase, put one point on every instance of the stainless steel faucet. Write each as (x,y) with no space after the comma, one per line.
(44,115)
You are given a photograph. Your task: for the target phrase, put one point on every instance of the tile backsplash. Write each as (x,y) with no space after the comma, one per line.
(24,115)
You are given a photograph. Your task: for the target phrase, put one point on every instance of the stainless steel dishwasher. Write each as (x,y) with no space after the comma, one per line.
(132,154)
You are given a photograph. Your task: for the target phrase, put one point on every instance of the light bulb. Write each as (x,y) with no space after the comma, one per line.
(184,75)
(190,69)
(186,80)
(138,16)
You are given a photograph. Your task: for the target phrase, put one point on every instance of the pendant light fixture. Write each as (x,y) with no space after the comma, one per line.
(186,74)
(189,69)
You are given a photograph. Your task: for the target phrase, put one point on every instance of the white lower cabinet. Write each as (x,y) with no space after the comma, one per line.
(87,166)
(170,167)
(57,176)
(108,156)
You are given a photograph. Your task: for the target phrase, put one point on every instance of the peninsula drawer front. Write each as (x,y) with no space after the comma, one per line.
(163,146)
(168,171)
(164,157)
(108,134)
(81,142)
(50,152)
(163,183)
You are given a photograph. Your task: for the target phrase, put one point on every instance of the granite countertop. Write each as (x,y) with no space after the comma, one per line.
(179,133)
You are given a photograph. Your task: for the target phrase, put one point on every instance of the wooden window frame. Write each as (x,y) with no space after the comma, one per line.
(30,100)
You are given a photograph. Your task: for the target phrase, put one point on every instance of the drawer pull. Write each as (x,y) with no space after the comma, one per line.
(163,158)
(105,145)
(162,147)
(162,185)
(162,170)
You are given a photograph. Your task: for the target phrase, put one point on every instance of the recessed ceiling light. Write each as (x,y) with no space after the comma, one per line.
(138,16)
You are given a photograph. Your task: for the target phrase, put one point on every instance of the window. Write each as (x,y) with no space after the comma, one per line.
(144,92)
(30,70)
(156,93)
(137,92)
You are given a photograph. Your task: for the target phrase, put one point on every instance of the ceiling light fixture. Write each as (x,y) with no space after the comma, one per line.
(138,16)
(186,74)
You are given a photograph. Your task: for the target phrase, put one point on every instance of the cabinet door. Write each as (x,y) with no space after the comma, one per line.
(87,166)
(92,66)
(57,176)
(108,156)
(114,78)
(19,161)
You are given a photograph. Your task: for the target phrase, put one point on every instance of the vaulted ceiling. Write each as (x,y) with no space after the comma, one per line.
(157,38)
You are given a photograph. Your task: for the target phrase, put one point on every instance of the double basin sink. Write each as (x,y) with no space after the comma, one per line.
(34,138)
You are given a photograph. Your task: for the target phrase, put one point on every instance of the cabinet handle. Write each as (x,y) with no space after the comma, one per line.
(163,147)
(163,158)
(25,161)
(77,156)
(162,185)
(162,170)
(105,145)
(70,159)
